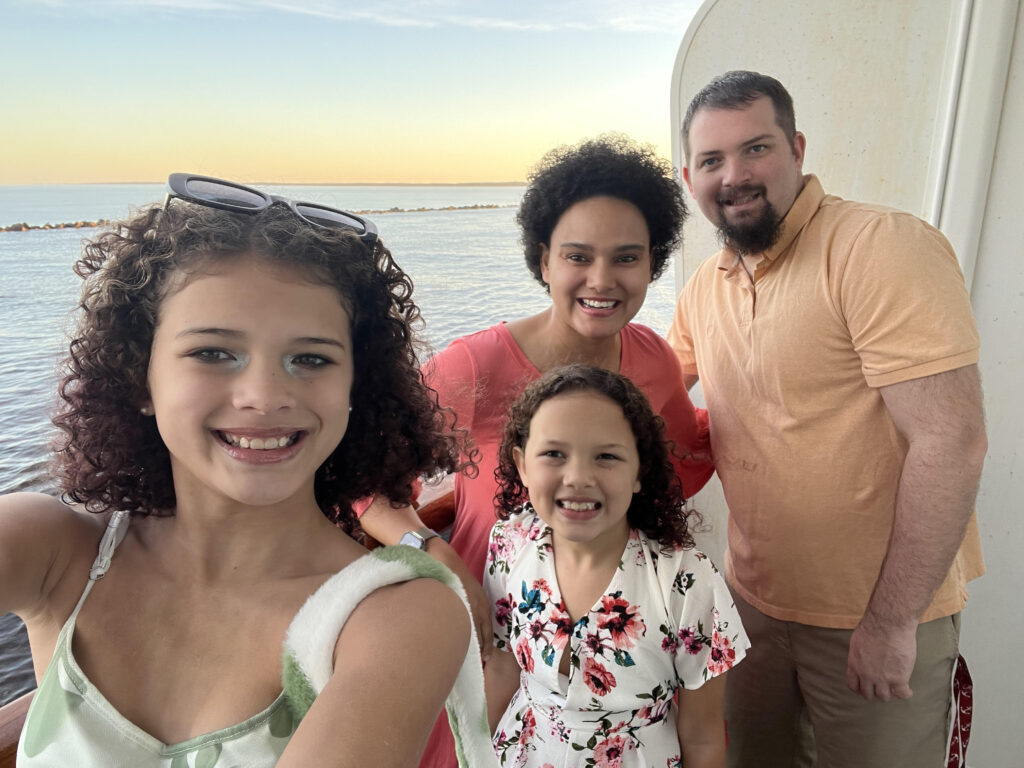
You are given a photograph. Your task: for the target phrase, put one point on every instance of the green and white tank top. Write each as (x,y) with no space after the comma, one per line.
(71,723)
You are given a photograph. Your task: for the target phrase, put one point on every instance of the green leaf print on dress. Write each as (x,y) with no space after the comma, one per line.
(204,757)
(282,723)
(54,702)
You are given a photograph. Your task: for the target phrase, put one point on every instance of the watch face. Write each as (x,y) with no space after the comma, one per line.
(410,539)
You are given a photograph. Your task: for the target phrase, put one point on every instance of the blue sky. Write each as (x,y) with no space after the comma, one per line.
(325,90)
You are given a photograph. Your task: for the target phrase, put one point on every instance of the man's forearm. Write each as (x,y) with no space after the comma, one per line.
(933,506)
(942,419)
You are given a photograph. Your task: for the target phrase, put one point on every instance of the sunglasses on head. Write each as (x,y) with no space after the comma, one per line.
(229,196)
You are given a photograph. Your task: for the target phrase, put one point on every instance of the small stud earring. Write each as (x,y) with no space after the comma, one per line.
(146,410)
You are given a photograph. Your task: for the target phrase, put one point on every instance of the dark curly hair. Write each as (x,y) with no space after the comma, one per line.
(109,456)
(611,165)
(659,508)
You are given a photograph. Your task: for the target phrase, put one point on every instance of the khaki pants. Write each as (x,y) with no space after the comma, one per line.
(787,704)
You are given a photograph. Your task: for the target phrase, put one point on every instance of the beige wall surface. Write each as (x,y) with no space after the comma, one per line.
(993,628)
(903,103)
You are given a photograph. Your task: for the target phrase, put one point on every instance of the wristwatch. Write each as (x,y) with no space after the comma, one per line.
(417,538)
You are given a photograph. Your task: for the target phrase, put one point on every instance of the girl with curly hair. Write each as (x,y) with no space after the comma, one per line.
(599,222)
(602,609)
(243,369)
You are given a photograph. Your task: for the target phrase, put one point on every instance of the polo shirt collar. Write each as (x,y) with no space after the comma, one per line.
(803,208)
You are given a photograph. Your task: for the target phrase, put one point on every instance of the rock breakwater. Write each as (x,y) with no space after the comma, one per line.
(26,227)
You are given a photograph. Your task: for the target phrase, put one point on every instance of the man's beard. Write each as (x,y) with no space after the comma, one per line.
(754,236)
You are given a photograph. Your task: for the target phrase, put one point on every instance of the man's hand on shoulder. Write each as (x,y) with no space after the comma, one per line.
(881,659)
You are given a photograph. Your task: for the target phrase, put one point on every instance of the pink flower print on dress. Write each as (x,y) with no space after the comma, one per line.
(670,644)
(563,625)
(524,655)
(597,677)
(503,547)
(723,656)
(543,586)
(529,726)
(537,631)
(691,640)
(595,644)
(608,753)
(621,620)
(639,558)
(503,609)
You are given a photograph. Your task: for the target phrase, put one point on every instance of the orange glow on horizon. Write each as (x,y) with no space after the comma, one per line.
(40,150)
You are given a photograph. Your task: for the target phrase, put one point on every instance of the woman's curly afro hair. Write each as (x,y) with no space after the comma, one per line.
(110,456)
(658,509)
(611,165)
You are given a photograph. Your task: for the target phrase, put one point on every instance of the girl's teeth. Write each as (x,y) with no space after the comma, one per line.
(579,506)
(261,443)
(592,304)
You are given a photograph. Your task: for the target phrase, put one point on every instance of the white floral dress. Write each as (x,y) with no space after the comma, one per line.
(664,621)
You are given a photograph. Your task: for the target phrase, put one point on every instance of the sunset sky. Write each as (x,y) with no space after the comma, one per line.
(325,90)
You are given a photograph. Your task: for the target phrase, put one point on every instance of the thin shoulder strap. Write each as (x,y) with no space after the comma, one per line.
(108,545)
(112,536)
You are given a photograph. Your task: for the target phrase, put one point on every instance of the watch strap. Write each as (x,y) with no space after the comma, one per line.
(418,538)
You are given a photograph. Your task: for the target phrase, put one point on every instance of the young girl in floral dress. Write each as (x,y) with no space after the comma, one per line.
(612,633)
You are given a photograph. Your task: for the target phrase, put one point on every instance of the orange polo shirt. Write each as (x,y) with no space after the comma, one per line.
(853,297)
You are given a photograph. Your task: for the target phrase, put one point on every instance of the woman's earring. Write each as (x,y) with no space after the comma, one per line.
(146,410)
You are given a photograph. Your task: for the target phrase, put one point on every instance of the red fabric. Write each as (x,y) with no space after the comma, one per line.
(963,705)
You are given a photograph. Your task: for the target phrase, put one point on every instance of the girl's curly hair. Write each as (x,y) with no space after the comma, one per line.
(659,509)
(110,456)
(611,165)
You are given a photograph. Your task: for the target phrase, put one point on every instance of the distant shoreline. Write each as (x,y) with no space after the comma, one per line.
(26,227)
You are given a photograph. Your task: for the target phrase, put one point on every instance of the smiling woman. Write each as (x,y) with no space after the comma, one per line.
(237,379)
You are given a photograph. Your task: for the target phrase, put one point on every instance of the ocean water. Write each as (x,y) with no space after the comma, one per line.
(466,264)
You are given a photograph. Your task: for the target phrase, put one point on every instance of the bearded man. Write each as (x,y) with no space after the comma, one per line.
(838,356)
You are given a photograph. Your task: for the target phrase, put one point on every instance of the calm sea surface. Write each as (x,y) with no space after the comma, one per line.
(467,267)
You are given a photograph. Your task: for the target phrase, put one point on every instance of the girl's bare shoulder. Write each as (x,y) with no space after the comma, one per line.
(31,514)
(41,540)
